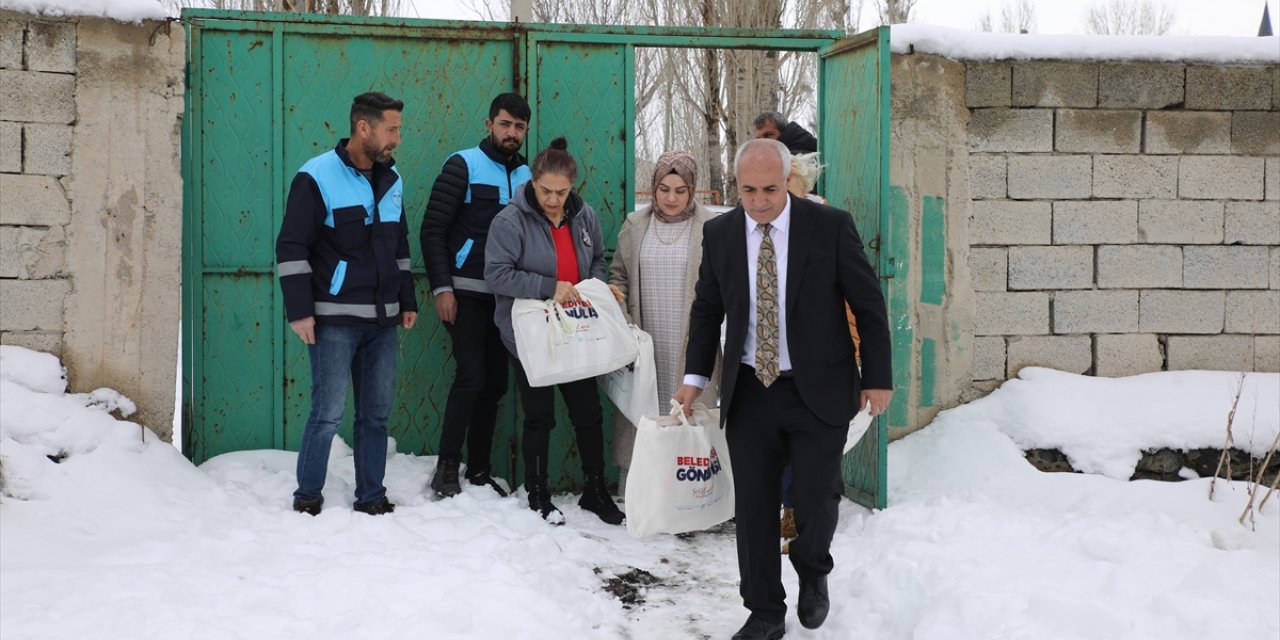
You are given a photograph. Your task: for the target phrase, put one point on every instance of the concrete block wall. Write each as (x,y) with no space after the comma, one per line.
(1123,217)
(91,200)
(37,113)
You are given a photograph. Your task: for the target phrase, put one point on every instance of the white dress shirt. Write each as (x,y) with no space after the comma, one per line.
(780,233)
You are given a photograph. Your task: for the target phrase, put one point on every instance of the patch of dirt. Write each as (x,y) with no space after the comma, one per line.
(630,587)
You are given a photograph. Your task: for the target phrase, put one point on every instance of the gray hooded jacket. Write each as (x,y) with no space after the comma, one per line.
(520,259)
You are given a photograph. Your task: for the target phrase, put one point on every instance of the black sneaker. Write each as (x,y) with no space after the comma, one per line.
(308,506)
(481,477)
(375,508)
(445,480)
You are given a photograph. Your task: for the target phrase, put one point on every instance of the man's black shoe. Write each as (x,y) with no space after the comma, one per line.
(481,478)
(445,480)
(307,505)
(759,629)
(375,508)
(814,602)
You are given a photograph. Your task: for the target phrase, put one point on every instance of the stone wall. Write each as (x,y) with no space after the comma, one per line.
(1124,217)
(91,200)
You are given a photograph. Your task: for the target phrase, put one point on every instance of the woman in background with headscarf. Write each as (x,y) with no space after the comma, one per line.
(653,273)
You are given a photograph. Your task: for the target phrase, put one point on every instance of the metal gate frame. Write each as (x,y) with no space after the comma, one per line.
(608,47)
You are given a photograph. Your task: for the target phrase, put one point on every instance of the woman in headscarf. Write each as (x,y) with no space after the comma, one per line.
(653,273)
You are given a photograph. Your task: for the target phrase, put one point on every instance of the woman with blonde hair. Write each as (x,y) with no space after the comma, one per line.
(653,273)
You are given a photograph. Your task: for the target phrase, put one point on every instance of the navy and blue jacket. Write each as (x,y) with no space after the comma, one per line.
(343,250)
(474,185)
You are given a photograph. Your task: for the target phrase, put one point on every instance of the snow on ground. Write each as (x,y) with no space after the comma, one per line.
(122,537)
(960,44)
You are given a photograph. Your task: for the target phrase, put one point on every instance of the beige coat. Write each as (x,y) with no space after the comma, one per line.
(623,273)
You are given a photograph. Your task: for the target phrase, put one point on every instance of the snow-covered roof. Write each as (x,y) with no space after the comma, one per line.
(122,10)
(969,45)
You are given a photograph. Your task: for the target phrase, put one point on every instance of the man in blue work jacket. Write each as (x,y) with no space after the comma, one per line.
(343,261)
(473,186)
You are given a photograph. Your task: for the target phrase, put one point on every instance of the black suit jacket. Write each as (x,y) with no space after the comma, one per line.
(826,267)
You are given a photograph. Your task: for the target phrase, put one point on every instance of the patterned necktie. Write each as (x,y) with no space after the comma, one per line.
(766,310)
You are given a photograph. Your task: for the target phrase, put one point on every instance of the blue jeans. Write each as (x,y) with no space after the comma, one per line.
(367,354)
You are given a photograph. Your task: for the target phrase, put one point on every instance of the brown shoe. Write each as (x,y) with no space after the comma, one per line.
(789,523)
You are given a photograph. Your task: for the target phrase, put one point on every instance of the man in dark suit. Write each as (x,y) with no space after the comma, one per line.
(780,270)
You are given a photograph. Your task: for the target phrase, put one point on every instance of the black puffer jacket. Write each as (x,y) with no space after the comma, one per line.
(474,185)
(798,139)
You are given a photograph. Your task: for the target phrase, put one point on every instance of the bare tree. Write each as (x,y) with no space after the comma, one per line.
(1129,17)
(1016,16)
(896,11)
(327,7)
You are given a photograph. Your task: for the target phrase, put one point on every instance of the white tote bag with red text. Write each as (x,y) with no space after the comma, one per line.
(572,341)
(680,478)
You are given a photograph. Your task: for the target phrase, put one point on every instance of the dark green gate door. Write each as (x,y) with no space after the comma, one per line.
(854,100)
(265,94)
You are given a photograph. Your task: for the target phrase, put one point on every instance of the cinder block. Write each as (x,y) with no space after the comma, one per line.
(1011,130)
(987,177)
(989,268)
(1127,354)
(32,253)
(1180,221)
(1253,312)
(1266,353)
(11,44)
(35,96)
(1095,311)
(1188,132)
(1139,266)
(1228,88)
(32,305)
(1272,179)
(34,201)
(987,84)
(1050,177)
(1135,176)
(1210,353)
(10,147)
(51,46)
(1055,84)
(1002,222)
(1255,132)
(1073,354)
(1234,267)
(1058,267)
(1220,178)
(1098,131)
(1020,313)
(1181,311)
(1140,85)
(47,149)
(1274,268)
(988,358)
(1275,88)
(46,341)
(1253,223)
(1095,222)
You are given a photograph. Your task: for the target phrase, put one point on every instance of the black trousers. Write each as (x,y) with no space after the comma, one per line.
(767,429)
(582,398)
(479,381)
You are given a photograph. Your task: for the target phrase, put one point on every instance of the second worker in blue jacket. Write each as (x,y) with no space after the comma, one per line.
(474,185)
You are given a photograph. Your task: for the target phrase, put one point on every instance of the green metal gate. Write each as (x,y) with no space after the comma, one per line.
(265,92)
